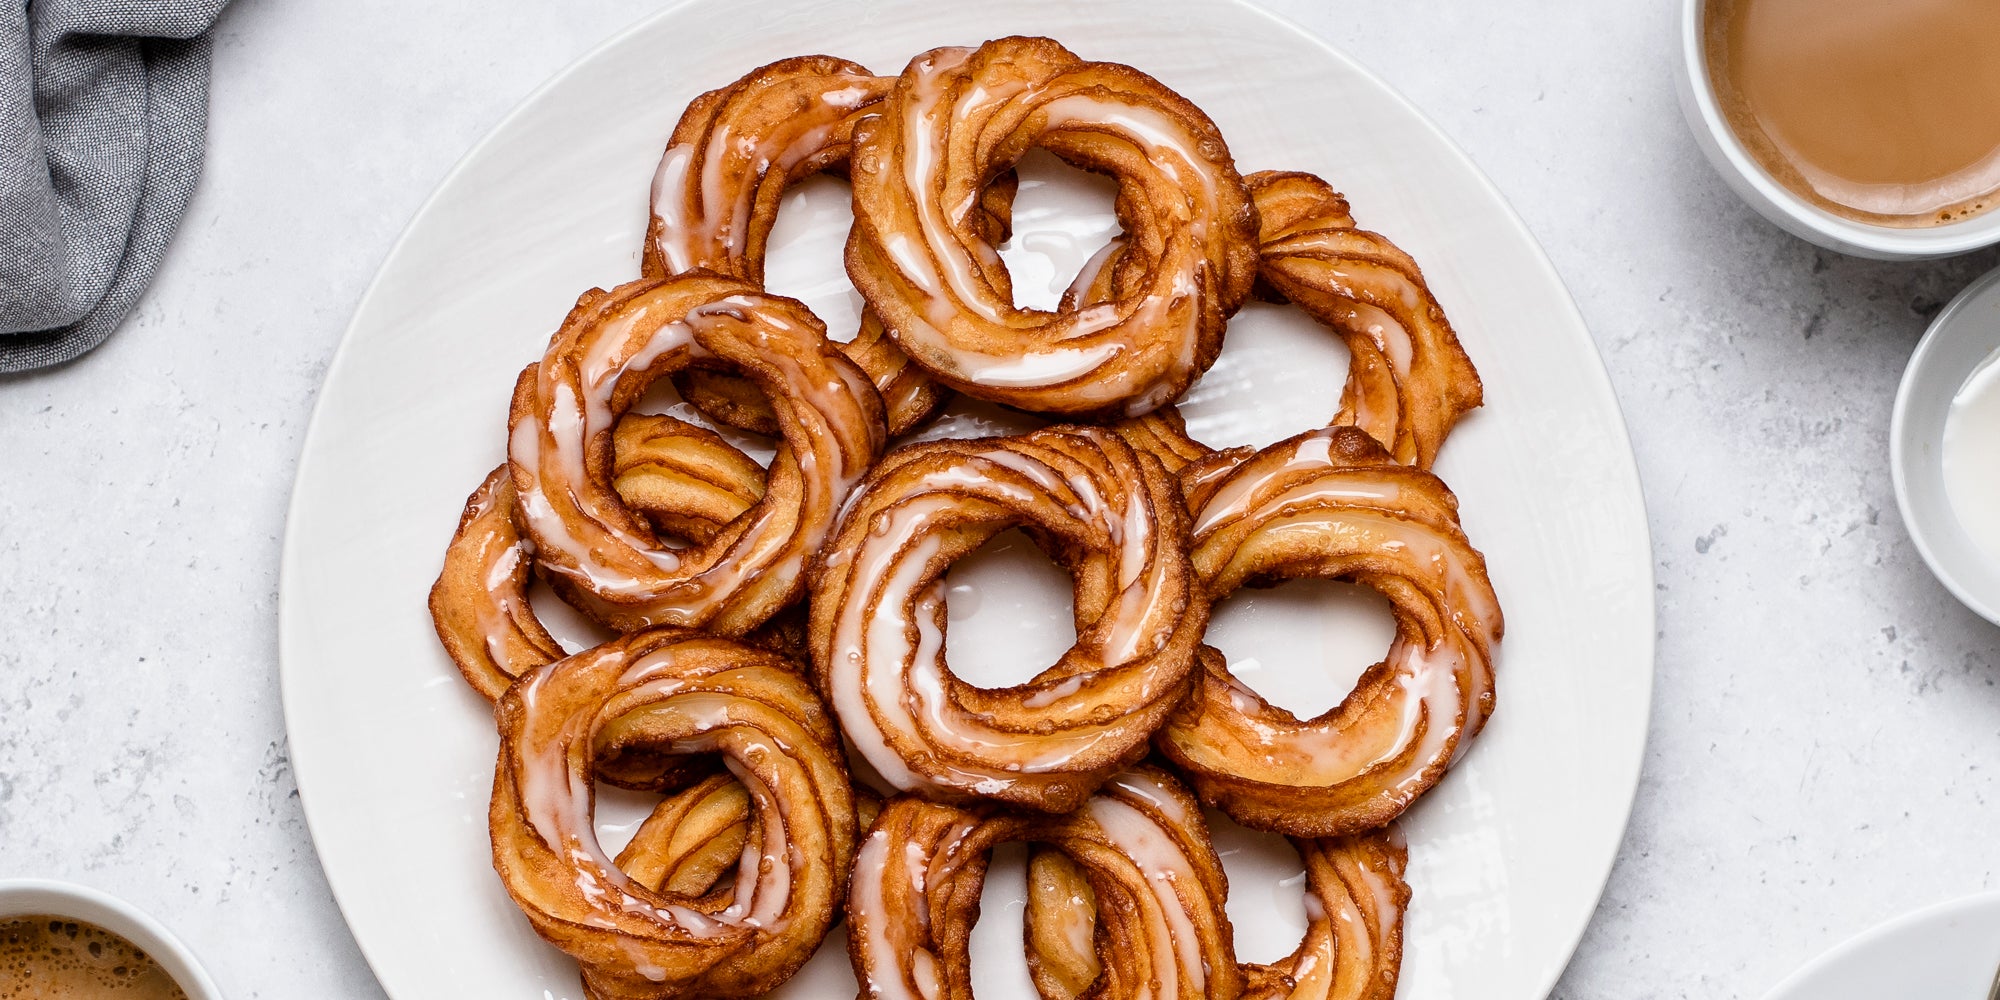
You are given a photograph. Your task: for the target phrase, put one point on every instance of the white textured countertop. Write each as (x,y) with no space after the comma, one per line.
(1826,718)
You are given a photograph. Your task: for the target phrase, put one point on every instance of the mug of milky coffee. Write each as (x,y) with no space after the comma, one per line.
(66,942)
(1871,127)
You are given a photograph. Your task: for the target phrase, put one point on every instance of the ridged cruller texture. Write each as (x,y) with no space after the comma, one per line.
(599,553)
(1141,846)
(1108,514)
(1332,504)
(715,198)
(685,480)
(1352,949)
(1355,901)
(921,253)
(1408,378)
(652,924)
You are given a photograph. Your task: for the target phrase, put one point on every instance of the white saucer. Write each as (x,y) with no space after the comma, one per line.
(1966,333)
(1944,952)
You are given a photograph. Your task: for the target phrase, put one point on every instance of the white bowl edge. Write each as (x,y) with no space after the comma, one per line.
(1953,557)
(34,896)
(1887,929)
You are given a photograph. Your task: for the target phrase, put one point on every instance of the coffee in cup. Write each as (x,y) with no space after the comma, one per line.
(59,958)
(1881,111)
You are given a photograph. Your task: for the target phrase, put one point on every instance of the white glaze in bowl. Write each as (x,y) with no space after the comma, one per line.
(1964,334)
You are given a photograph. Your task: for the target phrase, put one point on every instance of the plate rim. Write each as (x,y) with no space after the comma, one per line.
(1596,376)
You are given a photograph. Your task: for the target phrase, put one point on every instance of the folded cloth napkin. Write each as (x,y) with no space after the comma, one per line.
(103,108)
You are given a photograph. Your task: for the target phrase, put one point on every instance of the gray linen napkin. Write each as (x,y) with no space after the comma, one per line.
(103,108)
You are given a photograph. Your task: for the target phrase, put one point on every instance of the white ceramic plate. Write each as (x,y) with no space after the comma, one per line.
(1945,952)
(394,754)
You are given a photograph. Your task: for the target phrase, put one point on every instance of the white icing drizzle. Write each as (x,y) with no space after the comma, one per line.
(1233,499)
(602,549)
(554,449)
(896,962)
(1087,275)
(1158,855)
(670,207)
(703,216)
(867,914)
(550,762)
(886,666)
(1052,367)
(1165,142)
(1134,815)
(1086,350)
(552,775)
(1433,715)
(501,551)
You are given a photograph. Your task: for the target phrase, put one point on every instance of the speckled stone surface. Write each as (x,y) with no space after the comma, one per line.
(1826,719)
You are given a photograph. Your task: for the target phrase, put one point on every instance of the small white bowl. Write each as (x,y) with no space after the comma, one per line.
(26,897)
(1966,333)
(1946,951)
(1786,210)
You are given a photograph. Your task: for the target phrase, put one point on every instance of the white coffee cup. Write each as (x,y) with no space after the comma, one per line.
(1786,210)
(30,897)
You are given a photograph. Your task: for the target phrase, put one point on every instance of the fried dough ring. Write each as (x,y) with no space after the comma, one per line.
(685,479)
(673,691)
(1140,843)
(479,604)
(1352,948)
(1105,512)
(715,197)
(1333,504)
(1353,945)
(735,151)
(594,549)
(918,252)
(1408,380)
(682,477)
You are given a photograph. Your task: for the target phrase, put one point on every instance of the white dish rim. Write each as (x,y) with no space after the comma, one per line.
(1627,470)
(1933,526)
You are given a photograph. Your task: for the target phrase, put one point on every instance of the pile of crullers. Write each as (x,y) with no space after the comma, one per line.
(781,629)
